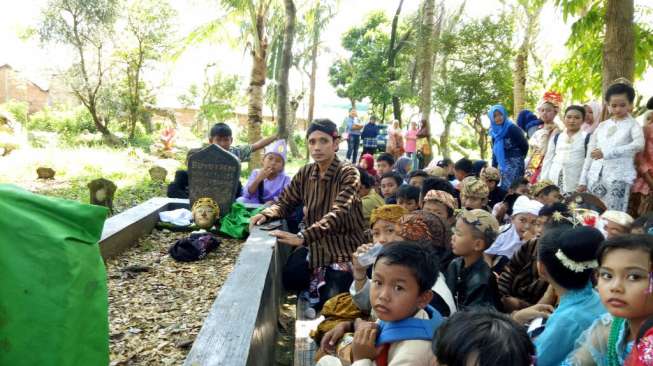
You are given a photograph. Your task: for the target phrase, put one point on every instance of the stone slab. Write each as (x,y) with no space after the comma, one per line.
(241,326)
(122,231)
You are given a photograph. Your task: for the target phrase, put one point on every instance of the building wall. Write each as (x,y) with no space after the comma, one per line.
(14,87)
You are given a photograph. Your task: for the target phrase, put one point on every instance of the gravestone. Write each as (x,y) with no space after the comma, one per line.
(102,191)
(214,172)
(45,173)
(158,174)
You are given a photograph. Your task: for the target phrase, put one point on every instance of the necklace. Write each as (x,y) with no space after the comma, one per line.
(613,358)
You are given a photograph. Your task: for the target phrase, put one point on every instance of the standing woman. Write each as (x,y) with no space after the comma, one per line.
(539,142)
(593,112)
(395,140)
(565,156)
(609,169)
(509,146)
(642,195)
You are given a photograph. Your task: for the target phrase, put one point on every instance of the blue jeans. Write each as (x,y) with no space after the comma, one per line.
(352,147)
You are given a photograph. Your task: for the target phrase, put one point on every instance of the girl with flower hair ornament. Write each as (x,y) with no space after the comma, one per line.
(625,285)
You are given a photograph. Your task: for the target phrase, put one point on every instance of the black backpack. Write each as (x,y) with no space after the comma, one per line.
(587,140)
(194,248)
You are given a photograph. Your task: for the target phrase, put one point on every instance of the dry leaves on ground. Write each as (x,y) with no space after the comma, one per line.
(157,305)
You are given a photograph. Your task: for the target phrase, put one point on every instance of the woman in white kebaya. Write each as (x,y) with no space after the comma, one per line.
(609,168)
(565,156)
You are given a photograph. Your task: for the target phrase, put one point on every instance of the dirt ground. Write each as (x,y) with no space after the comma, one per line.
(157,305)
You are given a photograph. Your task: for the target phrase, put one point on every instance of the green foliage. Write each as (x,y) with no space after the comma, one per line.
(18,110)
(216,98)
(366,73)
(77,22)
(580,75)
(474,71)
(68,122)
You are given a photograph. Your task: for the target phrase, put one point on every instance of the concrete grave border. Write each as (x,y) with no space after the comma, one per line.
(241,326)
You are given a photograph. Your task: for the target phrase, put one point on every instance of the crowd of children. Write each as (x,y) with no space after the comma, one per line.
(542,258)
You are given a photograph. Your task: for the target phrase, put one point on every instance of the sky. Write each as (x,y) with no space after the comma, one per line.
(38,62)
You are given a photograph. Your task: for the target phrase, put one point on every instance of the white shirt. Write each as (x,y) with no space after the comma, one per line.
(566,156)
(619,142)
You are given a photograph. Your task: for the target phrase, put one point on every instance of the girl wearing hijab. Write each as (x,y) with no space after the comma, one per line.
(593,112)
(395,140)
(367,163)
(509,146)
(402,167)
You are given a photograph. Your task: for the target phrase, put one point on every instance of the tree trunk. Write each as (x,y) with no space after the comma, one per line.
(531,27)
(316,40)
(392,55)
(286,61)
(444,141)
(426,59)
(255,91)
(619,45)
(292,122)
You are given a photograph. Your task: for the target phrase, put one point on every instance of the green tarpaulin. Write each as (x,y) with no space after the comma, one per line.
(53,289)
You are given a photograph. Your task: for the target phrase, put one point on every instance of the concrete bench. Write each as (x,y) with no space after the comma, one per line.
(241,326)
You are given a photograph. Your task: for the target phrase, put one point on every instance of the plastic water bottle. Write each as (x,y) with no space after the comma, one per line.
(368,258)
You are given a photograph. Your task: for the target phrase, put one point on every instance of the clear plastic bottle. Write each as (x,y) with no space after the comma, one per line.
(368,258)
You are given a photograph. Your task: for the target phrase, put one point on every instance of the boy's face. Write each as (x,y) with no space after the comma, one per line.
(538,228)
(471,203)
(395,293)
(523,223)
(416,182)
(491,184)
(437,208)
(573,120)
(522,189)
(619,106)
(409,205)
(613,229)
(384,232)
(222,141)
(383,167)
(550,198)
(322,146)
(623,282)
(459,174)
(388,187)
(273,162)
(463,241)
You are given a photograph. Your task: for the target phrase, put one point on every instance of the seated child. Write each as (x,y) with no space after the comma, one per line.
(566,260)
(437,184)
(461,170)
(369,198)
(402,278)
(482,337)
(473,194)
(416,226)
(642,354)
(384,164)
(390,183)
(367,164)
(524,215)
(266,184)
(492,176)
(520,285)
(546,192)
(408,197)
(625,287)
(616,223)
(441,204)
(469,278)
(416,178)
(642,224)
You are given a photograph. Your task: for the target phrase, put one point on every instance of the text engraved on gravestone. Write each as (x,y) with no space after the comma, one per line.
(214,172)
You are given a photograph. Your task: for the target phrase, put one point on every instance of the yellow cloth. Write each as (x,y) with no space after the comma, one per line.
(390,213)
(370,202)
(337,309)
